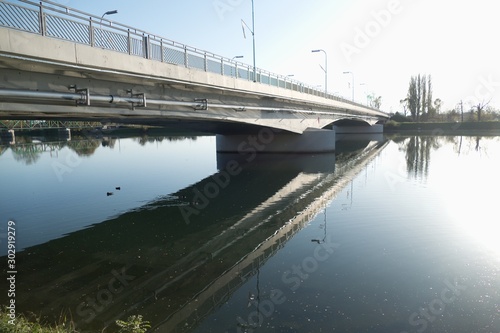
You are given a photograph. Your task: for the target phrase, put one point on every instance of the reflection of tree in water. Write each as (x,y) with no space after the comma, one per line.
(466,144)
(3,149)
(84,147)
(109,142)
(418,154)
(142,140)
(29,154)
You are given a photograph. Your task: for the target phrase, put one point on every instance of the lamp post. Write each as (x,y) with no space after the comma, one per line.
(243,25)
(352,83)
(235,66)
(366,91)
(325,69)
(109,12)
(253,43)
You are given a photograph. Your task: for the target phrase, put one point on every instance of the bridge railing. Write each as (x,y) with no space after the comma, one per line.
(51,19)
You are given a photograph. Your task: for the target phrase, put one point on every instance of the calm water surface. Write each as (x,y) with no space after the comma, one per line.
(395,235)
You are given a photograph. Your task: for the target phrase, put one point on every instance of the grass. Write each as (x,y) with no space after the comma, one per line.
(21,324)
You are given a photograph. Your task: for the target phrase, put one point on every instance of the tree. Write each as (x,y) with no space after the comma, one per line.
(479,109)
(377,102)
(404,104)
(420,96)
(437,105)
(413,97)
(423,99)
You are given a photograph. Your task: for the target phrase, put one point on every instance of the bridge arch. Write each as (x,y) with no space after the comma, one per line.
(351,122)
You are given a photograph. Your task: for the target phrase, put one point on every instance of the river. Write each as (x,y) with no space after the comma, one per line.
(389,234)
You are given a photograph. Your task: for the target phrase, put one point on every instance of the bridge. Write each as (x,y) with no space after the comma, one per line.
(59,63)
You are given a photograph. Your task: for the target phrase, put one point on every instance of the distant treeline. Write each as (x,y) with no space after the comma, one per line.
(492,127)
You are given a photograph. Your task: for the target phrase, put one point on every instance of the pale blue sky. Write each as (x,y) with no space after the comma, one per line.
(383,42)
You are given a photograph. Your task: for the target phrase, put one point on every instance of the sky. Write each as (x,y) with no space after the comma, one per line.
(381,42)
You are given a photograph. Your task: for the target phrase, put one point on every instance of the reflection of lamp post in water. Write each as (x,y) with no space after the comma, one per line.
(319,241)
(349,195)
(109,12)
(255,300)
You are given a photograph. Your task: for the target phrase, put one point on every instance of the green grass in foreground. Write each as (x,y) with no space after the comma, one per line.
(21,324)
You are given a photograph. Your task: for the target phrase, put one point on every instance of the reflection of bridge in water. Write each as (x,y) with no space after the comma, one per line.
(179,272)
(47,124)
(8,128)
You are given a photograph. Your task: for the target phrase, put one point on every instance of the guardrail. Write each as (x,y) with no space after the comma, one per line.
(50,19)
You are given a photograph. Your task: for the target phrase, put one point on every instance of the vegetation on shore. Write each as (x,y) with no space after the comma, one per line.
(420,112)
(438,128)
(447,123)
(23,324)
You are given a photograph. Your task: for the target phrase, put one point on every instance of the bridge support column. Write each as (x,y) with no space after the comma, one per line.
(377,128)
(269,141)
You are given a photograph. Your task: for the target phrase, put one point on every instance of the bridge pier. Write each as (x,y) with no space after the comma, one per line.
(271,141)
(377,128)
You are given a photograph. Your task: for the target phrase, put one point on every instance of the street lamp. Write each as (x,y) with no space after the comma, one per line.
(243,25)
(352,83)
(325,69)
(236,65)
(366,91)
(109,12)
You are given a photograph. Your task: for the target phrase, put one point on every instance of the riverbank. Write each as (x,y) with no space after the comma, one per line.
(448,128)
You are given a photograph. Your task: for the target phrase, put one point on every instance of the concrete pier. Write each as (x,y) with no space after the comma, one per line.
(377,128)
(269,141)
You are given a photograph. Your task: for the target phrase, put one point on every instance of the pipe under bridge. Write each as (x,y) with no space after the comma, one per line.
(59,63)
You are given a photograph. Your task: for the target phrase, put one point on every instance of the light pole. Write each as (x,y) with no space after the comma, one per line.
(324,69)
(366,91)
(235,66)
(253,43)
(243,25)
(352,83)
(109,12)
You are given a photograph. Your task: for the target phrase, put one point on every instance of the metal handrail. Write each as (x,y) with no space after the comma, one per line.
(57,21)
